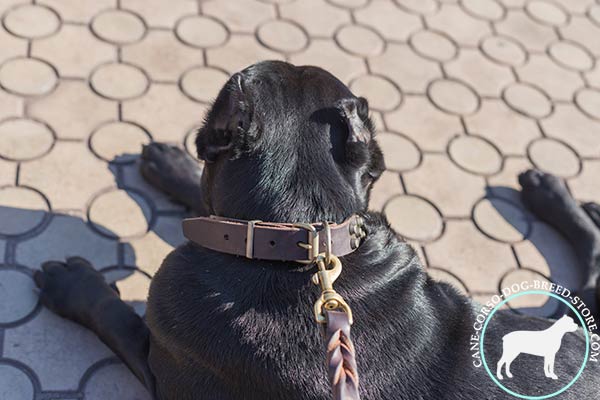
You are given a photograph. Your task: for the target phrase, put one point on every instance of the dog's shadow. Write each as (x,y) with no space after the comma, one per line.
(544,252)
(33,236)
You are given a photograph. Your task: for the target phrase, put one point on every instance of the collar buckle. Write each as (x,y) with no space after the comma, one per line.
(312,243)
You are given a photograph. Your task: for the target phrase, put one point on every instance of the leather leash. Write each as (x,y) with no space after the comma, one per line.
(285,242)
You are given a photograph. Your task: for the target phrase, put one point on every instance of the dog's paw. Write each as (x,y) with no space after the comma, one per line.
(71,289)
(553,376)
(508,374)
(545,194)
(172,171)
(500,377)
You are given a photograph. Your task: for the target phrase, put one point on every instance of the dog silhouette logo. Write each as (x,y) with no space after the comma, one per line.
(539,343)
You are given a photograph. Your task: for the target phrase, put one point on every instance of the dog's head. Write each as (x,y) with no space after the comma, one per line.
(567,324)
(287,143)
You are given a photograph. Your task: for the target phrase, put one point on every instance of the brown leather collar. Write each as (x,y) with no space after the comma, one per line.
(274,241)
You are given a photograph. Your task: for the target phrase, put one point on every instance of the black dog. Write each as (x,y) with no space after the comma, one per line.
(278,147)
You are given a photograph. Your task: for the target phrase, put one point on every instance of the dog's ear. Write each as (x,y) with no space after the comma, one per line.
(228,119)
(355,113)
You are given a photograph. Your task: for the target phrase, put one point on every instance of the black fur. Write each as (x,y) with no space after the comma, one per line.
(281,143)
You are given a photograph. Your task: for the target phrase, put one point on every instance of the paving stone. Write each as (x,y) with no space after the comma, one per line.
(73,110)
(158,13)
(547,252)
(406,68)
(501,220)
(389,20)
(58,351)
(485,9)
(504,50)
(508,130)
(442,275)
(437,179)
(400,153)
(585,187)
(530,304)
(554,157)
(164,112)
(418,248)
(414,218)
(31,21)
(322,23)
(77,10)
(513,3)
(460,26)
(325,54)
(377,120)
(594,13)
(433,45)
(360,40)
(593,77)
(576,129)
(21,210)
(528,100)
(453,96)
(203,83)
(10,105)
(382,94)
(241,15)
(24,139)
(8,171)
(486,77)
(163,56)
(475,155)
(384,189)
(571,55)
(282,36)
(14,383)
(120,214)
(201,31)
(584,32)
(505,184)
(66,236)
(478,261)
(148,252)
(424,7)
(239,52)
(11,46)
(119,26)
(119,81)
(114,382)
(68,176)
(588,101)
(577,6)
(131,178)
(28,76)
(427,126)
(133,287)
(119,141)
(349,4)
(531,34)
(547,12)
(17,296)
(68,51)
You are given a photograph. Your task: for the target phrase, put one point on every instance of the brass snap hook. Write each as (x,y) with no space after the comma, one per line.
(329,299)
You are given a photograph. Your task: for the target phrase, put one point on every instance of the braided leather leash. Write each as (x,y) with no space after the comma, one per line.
(341,357)
(334,313)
